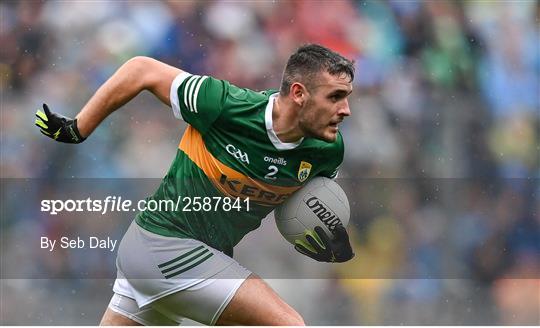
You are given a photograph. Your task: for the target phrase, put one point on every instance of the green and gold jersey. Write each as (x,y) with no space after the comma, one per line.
(230,149)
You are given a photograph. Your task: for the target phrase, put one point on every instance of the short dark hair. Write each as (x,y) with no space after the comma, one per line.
(310,60)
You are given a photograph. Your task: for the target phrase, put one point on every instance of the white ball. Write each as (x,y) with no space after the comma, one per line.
(321,202)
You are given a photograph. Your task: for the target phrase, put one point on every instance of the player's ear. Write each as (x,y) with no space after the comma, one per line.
(299,93)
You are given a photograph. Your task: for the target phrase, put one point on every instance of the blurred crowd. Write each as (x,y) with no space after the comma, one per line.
(442,159)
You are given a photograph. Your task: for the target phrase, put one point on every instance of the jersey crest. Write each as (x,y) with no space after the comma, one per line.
(303,171)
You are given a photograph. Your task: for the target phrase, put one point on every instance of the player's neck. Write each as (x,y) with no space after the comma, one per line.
(285,120)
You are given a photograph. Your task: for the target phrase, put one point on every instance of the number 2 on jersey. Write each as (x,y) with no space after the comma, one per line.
(273,170)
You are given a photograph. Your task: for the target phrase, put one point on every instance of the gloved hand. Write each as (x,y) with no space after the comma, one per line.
(324,249)
(58,127)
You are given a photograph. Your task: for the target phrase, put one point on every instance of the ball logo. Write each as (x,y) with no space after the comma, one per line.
(329,218)
(237,153)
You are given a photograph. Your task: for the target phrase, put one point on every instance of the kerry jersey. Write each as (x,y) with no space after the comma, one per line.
(230,149)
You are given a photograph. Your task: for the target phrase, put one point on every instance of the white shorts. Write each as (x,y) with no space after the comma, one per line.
(170,278)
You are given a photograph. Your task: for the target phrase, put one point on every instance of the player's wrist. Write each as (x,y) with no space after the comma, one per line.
(74,131)
(83,125)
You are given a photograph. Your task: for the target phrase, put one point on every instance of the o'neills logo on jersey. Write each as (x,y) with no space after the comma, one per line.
(237,153)
(303,171)
(278,161)
(329,218)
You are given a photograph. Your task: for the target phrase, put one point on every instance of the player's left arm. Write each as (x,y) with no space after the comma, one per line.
(137,74)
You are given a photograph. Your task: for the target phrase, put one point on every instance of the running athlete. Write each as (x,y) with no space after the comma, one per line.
(239,144)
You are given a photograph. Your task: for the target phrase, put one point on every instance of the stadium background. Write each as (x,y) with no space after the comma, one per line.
(441,167)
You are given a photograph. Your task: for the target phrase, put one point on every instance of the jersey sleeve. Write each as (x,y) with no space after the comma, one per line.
(198,100)
(332,170)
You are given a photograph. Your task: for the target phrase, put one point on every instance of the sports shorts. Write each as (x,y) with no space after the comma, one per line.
(168,278)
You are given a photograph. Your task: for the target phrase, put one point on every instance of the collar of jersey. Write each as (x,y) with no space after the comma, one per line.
(270,128)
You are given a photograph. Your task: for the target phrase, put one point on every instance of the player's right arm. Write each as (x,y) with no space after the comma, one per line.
(136,75)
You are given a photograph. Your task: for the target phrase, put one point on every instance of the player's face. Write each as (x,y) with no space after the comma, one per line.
(326,107)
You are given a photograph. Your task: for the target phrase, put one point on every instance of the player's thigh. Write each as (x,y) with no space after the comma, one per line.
(230,298)
(255,303)
(124,311)
(111,318)
(205,301)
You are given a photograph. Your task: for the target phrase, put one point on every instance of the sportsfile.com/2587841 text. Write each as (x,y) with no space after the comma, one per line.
(117,204)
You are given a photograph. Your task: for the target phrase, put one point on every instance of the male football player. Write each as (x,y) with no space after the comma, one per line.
(239,145)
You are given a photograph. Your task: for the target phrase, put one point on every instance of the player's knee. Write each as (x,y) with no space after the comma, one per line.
(298,321)
(293,319)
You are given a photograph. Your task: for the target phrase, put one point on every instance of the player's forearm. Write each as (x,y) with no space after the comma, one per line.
(123,86)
